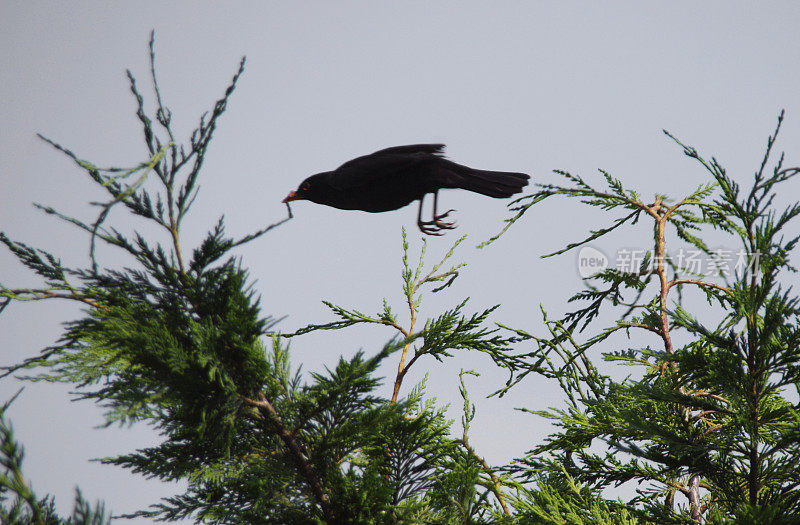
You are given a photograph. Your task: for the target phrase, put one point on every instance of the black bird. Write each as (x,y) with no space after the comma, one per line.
(394,177)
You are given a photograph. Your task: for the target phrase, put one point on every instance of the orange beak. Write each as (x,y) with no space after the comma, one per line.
(291,197)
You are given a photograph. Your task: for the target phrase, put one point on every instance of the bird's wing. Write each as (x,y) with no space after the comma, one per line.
(432,149)
(389,162)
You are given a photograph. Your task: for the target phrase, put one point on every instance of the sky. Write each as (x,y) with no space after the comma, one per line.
(514,86)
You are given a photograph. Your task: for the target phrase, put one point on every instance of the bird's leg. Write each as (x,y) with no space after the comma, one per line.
(437,219)
(434,226)
(425,227)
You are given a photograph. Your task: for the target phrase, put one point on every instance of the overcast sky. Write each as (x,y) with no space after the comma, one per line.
(516,86)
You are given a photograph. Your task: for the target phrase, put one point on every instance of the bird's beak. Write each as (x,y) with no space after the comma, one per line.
(291,197)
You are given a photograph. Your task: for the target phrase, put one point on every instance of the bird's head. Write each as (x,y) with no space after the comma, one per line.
(307,189)
(300,193)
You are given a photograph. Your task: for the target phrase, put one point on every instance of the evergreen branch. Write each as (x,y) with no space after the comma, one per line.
(255,235)
(469,413)
(698,282)
(199,141)
(163,114)
(113,237)
(271,415)
(30,362)
(11,455)
(147,128)
(595,234)
(40,261)
(349,318)
(36,294)
(121,194)
(449,275)
(589,195)
(520,210)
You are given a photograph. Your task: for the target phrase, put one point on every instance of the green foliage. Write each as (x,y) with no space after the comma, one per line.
(712,420)
(19,504)
(557,499)
(176,339)
(450,330)
(178,343)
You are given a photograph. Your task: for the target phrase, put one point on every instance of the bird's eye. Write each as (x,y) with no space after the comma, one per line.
(305,186)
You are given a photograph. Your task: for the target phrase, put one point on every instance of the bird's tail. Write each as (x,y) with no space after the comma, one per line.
(497,184)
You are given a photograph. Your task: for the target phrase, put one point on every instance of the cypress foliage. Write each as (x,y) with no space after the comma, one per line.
(18,502)
(706,428)
(178,342)
(712,420)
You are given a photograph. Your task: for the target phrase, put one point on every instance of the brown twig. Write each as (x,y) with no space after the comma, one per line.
(37,294)
(401,368)
(495,484)
(660,215)
(698,282)
(268,411)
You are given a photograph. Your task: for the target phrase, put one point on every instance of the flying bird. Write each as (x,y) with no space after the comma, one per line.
(394,177)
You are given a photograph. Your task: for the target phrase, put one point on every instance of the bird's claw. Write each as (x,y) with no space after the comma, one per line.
(430,228)
(436,226)
(440,224)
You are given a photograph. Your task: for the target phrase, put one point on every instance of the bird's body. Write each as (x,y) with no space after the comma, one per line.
(395,177)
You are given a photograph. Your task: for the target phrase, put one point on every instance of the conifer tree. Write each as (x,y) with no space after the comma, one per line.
(177,340)
(707,429)
(18,502)
(711,420)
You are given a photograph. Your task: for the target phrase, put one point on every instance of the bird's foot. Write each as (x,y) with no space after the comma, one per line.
(429,228)
(437,220)
(433,227)
(436,226)
(442,215)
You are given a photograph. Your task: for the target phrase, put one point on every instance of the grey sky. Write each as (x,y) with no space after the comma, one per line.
(517,86)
